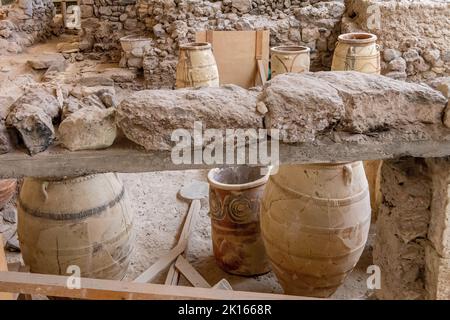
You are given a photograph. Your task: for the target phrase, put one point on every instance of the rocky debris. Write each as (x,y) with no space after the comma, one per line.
(9,214)
(12,244)
(307,105)
(442,85)
(6,142)
(47,60)
(149,117)
(68,47)
(88,128)
(108,98)
(31,115)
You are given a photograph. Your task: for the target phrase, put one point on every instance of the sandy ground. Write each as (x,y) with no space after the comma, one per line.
(159,212)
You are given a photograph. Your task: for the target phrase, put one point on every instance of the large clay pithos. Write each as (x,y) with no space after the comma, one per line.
(83,222)
(315,221)
(235,197)
(286,59)
(7,190)
(357,52)
(196,66)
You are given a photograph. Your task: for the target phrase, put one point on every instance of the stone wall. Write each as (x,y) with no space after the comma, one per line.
(315,23)
(24,23)
(413,230)
(414,35)
(104,22)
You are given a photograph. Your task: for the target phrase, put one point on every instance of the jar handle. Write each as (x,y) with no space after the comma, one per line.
(348,174)
(44,186)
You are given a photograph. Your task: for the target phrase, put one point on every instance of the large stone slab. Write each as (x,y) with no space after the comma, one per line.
(306,106)
(149,117)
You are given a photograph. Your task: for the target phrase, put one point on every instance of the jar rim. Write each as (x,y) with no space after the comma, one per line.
(290,49)
(358,38)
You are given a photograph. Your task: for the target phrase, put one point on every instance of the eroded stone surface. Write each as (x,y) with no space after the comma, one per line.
(45,61)
(307,105)
(88,128)
(149,117)
(31,115)
(402,228)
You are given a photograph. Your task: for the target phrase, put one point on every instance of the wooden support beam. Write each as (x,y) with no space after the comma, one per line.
(51,285)
(127,157)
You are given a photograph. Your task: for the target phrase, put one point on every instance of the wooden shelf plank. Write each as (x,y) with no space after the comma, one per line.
(51,285)
(128,157)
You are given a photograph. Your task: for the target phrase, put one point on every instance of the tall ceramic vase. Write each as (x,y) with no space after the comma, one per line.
(235,199)
(360,52)
(196,66)
(315,221)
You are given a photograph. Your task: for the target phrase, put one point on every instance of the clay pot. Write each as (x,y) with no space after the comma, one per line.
(357,52)
(196,66)
(287,59)
(84,221)
(7,190)
(315,221)
(235,197)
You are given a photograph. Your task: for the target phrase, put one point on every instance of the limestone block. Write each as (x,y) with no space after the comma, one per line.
(149,117)
(88,128)
(308,104)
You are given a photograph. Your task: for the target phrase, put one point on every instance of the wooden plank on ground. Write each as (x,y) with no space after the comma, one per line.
(192,275)
(189,224)
(51,285)
(4,267)
(166,260)
(127,157)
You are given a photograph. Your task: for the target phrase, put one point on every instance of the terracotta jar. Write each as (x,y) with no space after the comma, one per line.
(7,190)
(235,197)
(196,66)
(83,221)
(315,221)
(285,59)
(357,52)
(360,52)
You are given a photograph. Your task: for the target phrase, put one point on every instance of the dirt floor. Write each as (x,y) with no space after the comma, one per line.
(159,213)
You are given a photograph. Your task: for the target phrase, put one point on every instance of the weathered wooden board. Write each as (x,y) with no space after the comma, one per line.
(51,285)
(237,53)
(127,157)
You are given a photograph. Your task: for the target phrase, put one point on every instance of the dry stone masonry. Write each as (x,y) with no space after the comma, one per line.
(411,47)
(24,23)
(414,35)
(315,23)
